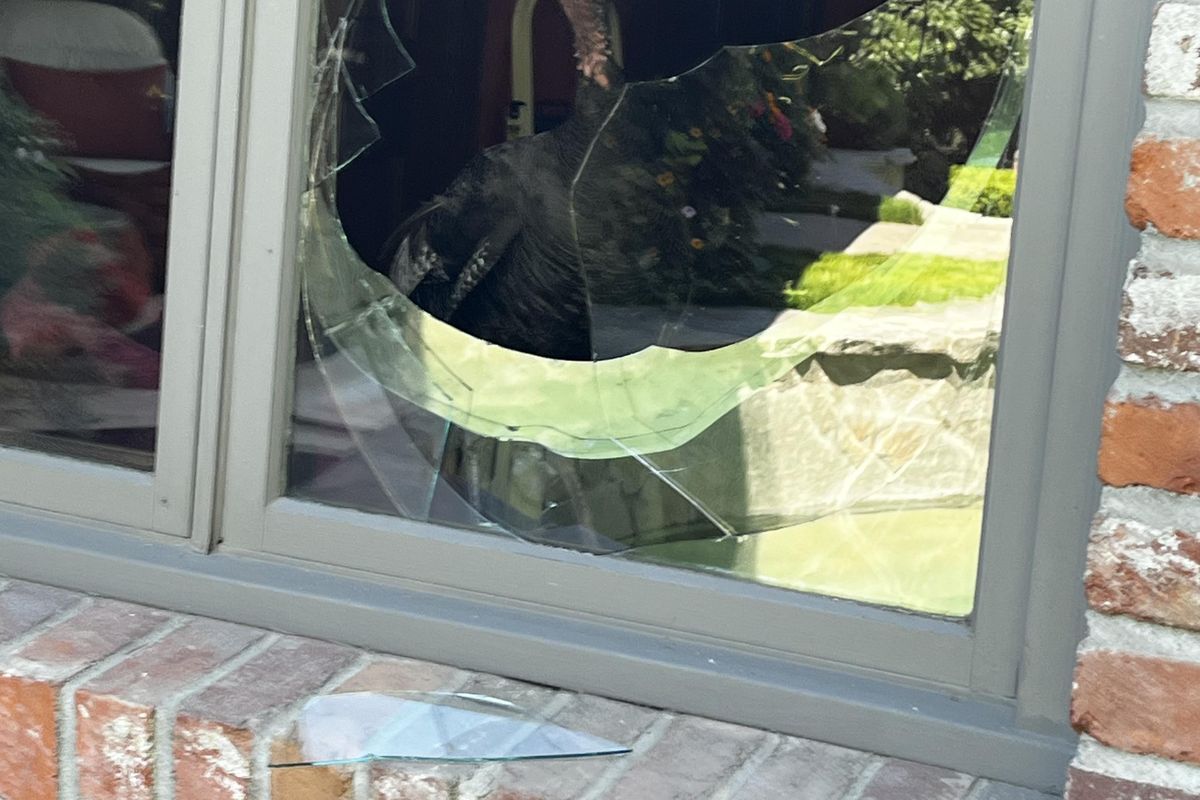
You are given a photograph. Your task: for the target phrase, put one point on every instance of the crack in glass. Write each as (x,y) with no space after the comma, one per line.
(702,311)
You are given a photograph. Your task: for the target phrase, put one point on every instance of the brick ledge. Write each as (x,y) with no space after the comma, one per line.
(106,700)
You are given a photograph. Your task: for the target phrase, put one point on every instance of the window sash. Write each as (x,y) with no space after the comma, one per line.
(161,501)
(1053,374)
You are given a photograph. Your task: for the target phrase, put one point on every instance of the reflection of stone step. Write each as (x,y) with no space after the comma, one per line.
(818,233)
(869,171)
(963,330)
(811,447)
(948,232)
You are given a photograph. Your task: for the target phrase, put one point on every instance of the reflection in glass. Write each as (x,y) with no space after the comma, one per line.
(736,309)
(445,727)
(85,165)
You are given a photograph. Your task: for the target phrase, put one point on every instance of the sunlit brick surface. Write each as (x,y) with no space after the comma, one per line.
(217,702)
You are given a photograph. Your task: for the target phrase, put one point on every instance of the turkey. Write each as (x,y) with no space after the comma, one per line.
(644,201)
(494,254)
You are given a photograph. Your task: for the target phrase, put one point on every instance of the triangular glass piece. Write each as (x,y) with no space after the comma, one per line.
(444,727)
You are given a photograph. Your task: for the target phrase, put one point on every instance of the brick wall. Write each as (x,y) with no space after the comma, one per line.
(1137,684)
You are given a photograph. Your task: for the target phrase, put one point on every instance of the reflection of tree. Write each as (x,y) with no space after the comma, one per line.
(69,272)
(31,186)
(920,74)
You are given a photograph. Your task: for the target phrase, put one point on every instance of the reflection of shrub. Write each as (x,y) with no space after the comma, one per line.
(920,74)
(841,280)
(853,205)
(862,107)
(983,190)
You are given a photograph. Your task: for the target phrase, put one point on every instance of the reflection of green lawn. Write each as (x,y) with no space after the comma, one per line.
(923,560)
(877,279)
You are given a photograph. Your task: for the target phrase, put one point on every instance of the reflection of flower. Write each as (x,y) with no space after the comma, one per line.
(688,211)
(697,244)
(666,179)
(779,120)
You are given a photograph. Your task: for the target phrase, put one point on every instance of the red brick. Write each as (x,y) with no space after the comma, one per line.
(23,606)
(1140,704)
(907,780)
(565,780)
(116,711)
(1151,443)
(1164,186)
(307,783)
(692,758)
(529,696)
(28,743)
(1149,574)
(400,675)
(216,730)
(30,681)
(1176,348)
(1157,327)
(1084,785)
(802,770)
(334,783)
(435,782)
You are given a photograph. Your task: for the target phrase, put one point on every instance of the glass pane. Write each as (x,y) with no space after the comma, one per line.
(355,727)
(716,288)
(86,102)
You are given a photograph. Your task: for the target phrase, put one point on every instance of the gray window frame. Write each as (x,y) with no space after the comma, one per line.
(987,695)
(164,499)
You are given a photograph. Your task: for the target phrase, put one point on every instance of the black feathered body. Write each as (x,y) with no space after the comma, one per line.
(496,256)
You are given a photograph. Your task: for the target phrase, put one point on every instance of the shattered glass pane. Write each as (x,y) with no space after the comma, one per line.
(443,727)
(727,297)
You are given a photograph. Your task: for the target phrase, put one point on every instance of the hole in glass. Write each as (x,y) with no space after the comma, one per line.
(736,309)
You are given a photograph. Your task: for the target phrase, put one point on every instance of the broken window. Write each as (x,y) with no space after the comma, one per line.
(735,308)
